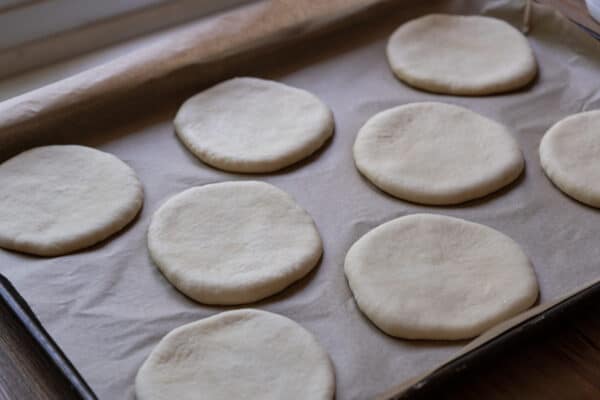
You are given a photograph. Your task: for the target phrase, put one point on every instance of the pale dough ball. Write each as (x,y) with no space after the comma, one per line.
(253,125)
(435,153)
(461,55)
(570,155)
(429,276)
(233,242)
(58,199)
(242,354)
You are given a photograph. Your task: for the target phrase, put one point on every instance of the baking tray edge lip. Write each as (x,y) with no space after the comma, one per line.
(593,33)
(464,361)
(25,315)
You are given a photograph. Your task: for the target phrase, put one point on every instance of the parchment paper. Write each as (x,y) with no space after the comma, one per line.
(108,306)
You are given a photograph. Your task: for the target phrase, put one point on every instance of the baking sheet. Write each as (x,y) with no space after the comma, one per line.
(108,306)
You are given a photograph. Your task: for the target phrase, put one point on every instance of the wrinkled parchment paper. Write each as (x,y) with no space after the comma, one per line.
(108,306)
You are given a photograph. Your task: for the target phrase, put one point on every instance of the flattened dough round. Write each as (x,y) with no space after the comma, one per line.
(570,155)
(233,242)
(253,125)
(58,199)
(461,55)
(242,354)
(427,276)
(435,153)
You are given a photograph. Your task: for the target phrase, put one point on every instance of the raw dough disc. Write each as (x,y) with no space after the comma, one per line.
(429,276)
(233,242)
(242,354)
(462,55)
(435,153)
(253,125)
(570,155)
(58,199)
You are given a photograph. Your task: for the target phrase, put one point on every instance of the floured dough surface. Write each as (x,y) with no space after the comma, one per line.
(570,156)
(436,153)
(242,354)
(58,199)
(427,276)
(461,55)
(233,242)
(253,125)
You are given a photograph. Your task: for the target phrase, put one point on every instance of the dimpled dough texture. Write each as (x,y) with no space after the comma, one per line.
(570,155)
(58,199)
(461,55)
(435,153)
(243,354)
(233,242)
(428,276)
(253,125)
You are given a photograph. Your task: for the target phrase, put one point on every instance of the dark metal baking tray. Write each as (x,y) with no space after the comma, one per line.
(32,366)
(552,355)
